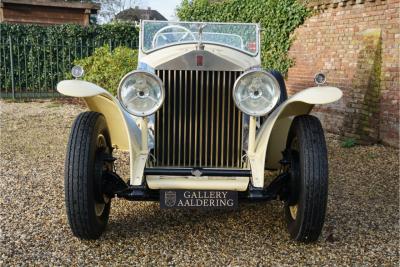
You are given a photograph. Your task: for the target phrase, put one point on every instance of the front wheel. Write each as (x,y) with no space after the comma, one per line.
(308,186)
(88,148)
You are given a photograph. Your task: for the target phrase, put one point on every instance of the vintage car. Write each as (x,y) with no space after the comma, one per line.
(202,122)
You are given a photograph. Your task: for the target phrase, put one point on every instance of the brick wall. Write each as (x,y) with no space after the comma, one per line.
(356,44)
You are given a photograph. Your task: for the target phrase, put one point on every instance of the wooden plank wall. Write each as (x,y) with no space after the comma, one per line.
(44,15)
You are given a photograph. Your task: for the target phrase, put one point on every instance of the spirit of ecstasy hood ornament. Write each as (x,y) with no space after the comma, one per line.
(200,45)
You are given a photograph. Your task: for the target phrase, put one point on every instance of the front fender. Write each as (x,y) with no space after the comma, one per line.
(271,138)
(124,132)
(79,88)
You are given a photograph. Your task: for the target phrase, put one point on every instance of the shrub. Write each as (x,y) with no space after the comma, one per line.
(348,143)
(106,68)
(278,20)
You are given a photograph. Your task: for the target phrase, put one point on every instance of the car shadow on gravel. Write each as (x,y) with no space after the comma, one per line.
(150,219)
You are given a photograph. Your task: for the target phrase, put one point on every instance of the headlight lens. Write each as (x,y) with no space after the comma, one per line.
(77,71)
(141,93)
(256,92)
(319,78)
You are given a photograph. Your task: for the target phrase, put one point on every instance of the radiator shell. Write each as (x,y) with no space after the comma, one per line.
(198,124)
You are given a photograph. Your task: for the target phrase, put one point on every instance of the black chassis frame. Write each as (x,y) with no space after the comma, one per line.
(114,186)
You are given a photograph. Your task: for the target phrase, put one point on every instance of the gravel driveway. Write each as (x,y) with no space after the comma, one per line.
(361,228)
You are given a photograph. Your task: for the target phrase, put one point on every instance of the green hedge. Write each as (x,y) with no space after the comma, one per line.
(34,58)
(119,32)
(278,20)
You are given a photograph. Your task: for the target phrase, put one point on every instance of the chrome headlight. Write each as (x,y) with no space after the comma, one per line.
(141,93)
(256,92)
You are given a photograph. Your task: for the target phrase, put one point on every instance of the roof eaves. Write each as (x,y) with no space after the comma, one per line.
(53,3)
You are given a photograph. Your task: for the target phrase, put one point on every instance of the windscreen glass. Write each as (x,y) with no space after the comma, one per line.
(158,34)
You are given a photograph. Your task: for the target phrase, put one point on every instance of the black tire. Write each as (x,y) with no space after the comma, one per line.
(305,208)
(87,208)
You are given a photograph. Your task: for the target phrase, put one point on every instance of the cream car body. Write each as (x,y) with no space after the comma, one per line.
(266,143)
(200,68)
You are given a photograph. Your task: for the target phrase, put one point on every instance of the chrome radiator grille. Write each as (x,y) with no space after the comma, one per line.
(198,124)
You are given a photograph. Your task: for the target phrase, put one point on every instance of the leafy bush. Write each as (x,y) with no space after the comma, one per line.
(278,20)
(348,143)
(106,68)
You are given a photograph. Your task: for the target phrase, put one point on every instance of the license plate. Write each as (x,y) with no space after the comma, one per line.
(198,199)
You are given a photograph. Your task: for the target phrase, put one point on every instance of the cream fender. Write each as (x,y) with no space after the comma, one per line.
(124,132)
(270,140)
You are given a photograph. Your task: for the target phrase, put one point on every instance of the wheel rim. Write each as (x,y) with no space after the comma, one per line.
(293,211)
(101,142)
(101,148)
(99,208)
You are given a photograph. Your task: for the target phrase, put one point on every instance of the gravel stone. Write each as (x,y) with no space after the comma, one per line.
(361,228)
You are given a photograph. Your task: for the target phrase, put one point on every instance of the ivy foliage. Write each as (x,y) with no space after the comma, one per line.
(106,68)
(278,20)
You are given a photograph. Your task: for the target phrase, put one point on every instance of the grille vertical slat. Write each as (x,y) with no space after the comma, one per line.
(168,125)
(190,102)
(207,120)
(185,121)
(223,118)
(174,104)
(201,118)
(228,130)
(217,128)
(212,122)
(234,125)
(180,114)
(198,125)
(195,119)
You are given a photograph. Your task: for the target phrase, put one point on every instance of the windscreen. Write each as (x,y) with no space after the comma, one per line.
(158,34)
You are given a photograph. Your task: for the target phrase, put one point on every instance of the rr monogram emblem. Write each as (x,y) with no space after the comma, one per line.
(170,198)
